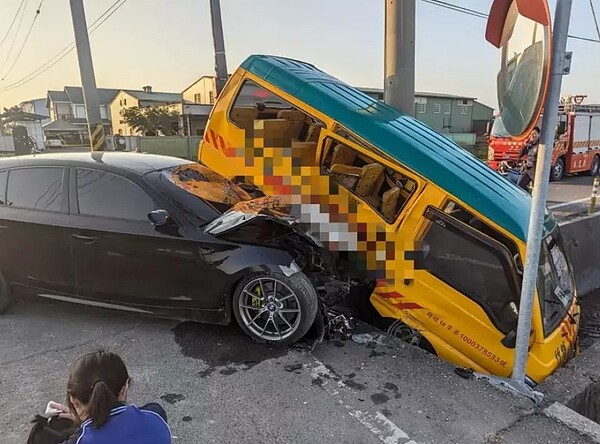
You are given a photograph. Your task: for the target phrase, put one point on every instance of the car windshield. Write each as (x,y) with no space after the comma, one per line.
(498,129)
(203,183)
(556,285)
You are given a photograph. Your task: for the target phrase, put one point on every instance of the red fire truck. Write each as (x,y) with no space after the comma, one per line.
(576,146)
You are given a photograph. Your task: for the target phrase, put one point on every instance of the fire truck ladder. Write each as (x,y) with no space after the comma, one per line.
(584,109)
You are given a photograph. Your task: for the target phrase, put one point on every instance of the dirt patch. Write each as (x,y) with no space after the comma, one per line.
(379,398)
(172,398)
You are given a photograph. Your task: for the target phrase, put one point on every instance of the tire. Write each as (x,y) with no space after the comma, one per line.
(5,296)
(595,170)
(399,330)
(263,318)
(558,170)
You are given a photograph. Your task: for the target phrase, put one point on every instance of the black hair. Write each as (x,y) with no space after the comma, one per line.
(537,128)
(96,380)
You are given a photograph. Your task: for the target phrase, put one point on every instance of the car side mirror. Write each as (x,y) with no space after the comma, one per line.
(159,218)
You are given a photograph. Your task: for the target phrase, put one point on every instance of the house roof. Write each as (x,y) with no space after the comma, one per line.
(403,139)
(58,96)
(159,97)
(41,99)
(197,80)
(420,94)
(21,116)
(74,94)
(82,121)
(105,95)
(62,125)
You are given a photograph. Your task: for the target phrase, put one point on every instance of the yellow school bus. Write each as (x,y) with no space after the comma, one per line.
(437,235)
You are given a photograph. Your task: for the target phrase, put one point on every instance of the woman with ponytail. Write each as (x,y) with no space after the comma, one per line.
(96,397)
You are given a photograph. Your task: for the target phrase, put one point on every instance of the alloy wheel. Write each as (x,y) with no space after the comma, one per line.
(269,309)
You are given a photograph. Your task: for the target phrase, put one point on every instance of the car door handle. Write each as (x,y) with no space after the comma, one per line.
(85,239)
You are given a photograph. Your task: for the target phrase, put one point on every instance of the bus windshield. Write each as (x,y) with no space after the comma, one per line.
(556,285)
(498,129)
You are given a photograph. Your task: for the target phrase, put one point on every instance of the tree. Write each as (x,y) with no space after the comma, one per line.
(153,120)
(7,117)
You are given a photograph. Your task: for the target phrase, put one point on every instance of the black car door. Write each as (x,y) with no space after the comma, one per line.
(122,260)
(34,236)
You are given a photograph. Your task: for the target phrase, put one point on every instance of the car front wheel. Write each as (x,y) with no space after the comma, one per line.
(275,309)
(595,170)
(558,170)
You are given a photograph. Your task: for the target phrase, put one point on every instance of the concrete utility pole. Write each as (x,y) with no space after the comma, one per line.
(88,80)
(217,30)
(540,189)
(399,87)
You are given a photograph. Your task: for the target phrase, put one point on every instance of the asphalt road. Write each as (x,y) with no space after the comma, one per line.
(217,386)
(570,189)
(570,196)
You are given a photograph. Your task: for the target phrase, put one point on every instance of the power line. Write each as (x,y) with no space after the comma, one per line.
(12,45)
(595,18)
(481,15)
(65,51)
(585,39)
(37,13)
(12,23)
(456,8)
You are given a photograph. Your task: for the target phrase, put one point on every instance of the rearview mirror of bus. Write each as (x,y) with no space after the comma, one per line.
(521,30)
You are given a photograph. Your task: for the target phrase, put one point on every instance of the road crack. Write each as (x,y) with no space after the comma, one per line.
(65,348)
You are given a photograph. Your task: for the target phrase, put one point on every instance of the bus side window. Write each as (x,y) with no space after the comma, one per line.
(385,190)
(280,125)
(473,265)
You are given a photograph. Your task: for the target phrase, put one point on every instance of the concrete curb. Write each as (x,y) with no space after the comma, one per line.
(572,388)
(582,238)
(574,420)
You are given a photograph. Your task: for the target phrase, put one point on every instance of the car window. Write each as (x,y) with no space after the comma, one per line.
(3,177)
(35,189)
(472,265)
(107,195)
(384,189)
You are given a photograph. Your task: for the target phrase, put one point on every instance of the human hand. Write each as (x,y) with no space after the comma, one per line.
(63,411)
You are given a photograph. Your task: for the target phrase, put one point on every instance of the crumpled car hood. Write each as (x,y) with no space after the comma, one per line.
(268,206)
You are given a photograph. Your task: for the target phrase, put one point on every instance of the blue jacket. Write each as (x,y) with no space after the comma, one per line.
(127,424)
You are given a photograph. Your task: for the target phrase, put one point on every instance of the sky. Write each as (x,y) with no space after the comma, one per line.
(168,44)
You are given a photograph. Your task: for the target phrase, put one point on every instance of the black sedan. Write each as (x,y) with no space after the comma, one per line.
(151,234)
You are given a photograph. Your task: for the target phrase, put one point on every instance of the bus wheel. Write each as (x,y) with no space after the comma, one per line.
(399,330)
(595,170)
(558,170)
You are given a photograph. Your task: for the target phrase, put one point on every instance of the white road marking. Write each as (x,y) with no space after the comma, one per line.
(93,303)
(378,424)
(578,219)
(566,204)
